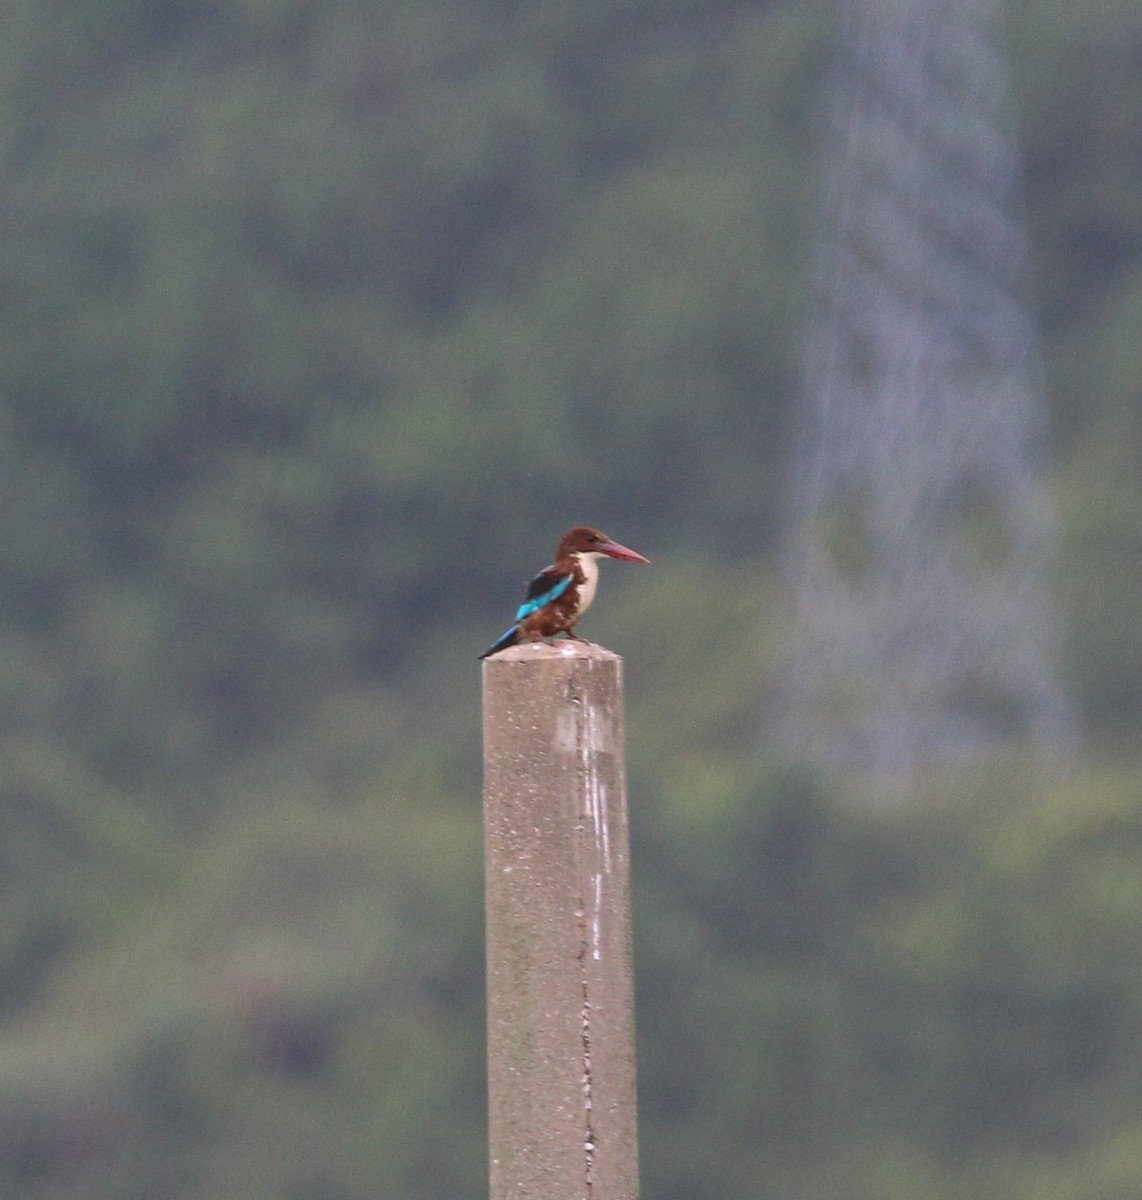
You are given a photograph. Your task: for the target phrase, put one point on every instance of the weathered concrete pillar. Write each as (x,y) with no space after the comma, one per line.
(561,1064)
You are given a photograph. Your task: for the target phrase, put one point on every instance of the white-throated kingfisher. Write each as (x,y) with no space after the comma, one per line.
(561,593)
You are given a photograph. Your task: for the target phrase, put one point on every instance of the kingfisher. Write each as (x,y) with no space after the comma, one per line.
(561,593)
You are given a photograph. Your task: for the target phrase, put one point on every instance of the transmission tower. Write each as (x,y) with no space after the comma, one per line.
(920,525)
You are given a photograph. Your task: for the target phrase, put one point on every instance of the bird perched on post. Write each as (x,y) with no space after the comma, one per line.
(561,593)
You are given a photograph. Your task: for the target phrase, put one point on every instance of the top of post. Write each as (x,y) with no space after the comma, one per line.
(548,652)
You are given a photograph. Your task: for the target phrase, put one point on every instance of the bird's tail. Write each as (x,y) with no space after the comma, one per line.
(509,639)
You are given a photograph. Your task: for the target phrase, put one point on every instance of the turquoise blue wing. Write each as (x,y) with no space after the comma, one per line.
(545,587)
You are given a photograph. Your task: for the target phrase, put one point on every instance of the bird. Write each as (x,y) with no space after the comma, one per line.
(562,592)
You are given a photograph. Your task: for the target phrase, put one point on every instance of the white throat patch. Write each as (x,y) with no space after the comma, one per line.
(589,564)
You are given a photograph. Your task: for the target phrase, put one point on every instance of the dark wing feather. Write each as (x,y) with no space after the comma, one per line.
(548,585)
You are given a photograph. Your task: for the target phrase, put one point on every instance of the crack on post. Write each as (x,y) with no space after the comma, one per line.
(587,1079)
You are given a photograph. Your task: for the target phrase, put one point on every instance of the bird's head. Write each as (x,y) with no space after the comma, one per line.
(584,540)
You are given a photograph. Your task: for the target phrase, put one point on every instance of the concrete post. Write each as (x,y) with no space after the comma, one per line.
(561,1064)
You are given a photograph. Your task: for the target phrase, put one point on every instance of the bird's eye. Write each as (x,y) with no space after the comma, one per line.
(594,537)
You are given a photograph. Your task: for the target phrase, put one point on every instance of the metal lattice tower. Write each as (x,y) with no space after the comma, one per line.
(921,527)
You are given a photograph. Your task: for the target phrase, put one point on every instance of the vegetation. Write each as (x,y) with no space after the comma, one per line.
(318,325)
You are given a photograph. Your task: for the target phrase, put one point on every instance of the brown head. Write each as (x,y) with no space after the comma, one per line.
(584,540)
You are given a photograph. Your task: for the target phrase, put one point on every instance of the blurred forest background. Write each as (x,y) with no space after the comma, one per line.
(319,324)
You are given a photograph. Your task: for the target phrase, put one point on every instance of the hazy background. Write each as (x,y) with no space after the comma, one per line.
(319,323)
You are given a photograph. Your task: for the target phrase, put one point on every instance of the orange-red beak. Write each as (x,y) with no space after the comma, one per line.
(614,550)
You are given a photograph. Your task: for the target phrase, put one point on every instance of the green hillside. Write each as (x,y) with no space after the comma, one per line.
(319,324)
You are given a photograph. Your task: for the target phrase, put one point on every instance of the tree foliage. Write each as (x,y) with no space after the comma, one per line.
(318,324)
